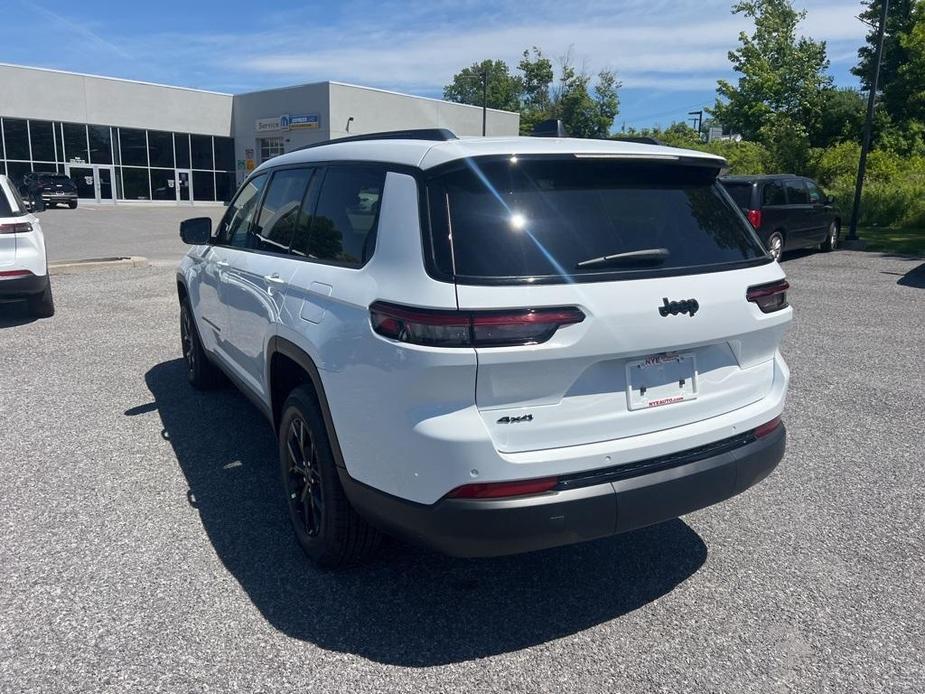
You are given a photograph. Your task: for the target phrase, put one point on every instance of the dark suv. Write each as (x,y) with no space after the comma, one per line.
(787,211)
(52,188)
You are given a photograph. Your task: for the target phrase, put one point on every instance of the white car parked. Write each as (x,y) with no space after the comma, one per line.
(492,345)
(23,267)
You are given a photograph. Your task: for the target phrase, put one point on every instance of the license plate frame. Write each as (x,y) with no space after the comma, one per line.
(667,378)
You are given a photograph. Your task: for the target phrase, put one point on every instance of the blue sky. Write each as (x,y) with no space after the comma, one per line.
(667,53)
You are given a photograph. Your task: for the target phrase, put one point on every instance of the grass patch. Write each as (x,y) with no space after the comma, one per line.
(892,240)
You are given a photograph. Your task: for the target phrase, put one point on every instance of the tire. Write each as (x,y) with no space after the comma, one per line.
(776,245)
(329,531)
(201,372)
(831,239)
(72,204)
(42,305)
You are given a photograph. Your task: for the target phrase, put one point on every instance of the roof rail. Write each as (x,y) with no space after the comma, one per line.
(432,134)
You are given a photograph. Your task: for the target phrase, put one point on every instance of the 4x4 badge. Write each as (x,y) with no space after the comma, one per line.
(689,306)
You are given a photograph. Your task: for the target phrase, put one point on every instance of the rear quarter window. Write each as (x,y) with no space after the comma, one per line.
(540,219)
(741,193)
(11,205)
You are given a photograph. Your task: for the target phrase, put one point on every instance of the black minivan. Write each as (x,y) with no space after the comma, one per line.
(787,211)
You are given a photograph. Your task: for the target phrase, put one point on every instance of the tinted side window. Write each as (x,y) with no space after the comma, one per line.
(815,195)
(343,228)
(237,220)
(279,214)
(774,194)
(741,193)
(797,193)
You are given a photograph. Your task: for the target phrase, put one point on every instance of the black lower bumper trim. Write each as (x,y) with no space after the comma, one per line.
(22,287)
(493,527)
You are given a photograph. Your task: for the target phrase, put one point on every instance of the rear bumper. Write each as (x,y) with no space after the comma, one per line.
(63,197)
(22,287)
(582,507)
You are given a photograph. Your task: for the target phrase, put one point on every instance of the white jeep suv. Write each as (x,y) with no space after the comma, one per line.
(492,345)
(23,264)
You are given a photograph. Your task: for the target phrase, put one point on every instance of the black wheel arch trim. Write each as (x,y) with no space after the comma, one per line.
(280,345)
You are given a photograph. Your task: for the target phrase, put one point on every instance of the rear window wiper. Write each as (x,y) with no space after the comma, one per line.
(648,255)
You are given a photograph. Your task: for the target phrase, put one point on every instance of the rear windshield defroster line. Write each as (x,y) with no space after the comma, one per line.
(520,219)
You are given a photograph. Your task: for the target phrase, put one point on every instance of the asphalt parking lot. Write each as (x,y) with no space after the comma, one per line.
(146,547)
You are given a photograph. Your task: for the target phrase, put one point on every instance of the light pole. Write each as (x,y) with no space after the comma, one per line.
(852,237)
(484,77)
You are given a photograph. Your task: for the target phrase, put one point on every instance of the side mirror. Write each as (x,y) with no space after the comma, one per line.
(196,231)
(829,199)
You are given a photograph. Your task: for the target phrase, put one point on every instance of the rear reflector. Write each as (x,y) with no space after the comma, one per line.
(17,228)
(769,297)
(767,428)
(496,490)
(470,328)
(12,274)
(754,217)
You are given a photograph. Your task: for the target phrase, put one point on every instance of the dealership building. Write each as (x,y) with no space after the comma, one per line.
(123,141)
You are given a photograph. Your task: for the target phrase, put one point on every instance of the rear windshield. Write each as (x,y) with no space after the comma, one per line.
(740,192)
(58,180)
(556,219)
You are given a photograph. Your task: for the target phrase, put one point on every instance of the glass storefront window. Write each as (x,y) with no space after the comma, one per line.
(224,153)
(224,185)
(75,143)
(181,143)
(43,140)
(203,186)
(201,147)
(134,148)
(100,144)
(135,182)
(163,184)
(160,148)
(17,138)
(16,170)
(270,147)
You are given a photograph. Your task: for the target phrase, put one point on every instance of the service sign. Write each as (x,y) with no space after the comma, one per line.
(307,120)
(276,123)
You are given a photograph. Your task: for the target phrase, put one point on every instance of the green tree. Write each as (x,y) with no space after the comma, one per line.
(842,117)
(504,89)
(537,79)
(780,74)
(582,113)
(900,21)
(586,110)
(908,88)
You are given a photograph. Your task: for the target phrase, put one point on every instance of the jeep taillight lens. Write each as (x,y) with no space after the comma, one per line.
(17,228)
(754,217)
(437,328)
(769,297)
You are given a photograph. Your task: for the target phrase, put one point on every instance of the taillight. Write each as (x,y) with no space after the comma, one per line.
(497,490)
(767,428)
(769,297)
(13,274)
(16,228)
(436,328)
(754,216)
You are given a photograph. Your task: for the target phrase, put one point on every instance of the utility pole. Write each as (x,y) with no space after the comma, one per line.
(484,103)
(868,124)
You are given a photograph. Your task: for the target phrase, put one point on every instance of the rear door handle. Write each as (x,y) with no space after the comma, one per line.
(274,278)
(222,263)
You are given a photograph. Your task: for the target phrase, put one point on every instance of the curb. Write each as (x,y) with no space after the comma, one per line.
(70,267)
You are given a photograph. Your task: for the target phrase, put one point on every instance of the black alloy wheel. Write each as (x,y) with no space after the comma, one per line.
(303,479)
